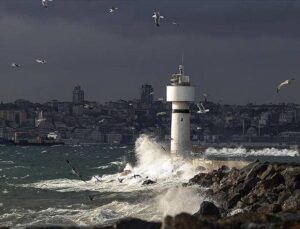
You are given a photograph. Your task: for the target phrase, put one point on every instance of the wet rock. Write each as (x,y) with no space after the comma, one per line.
(186,221)
(133,223)
(208,209)
(232,201)
(284,195)
(202,179)
(248,185)
(256,170)
(292,203)
(291,174)
(270,170)
(296,185)
(270,208)
(274,181)
(148,182)
(240,220)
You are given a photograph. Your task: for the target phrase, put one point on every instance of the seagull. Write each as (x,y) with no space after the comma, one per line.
(156,15)
(40,61)
(175,23)
(14,65)
(45,3)
(202,109)
(113,9)
(284,83)
(161,113)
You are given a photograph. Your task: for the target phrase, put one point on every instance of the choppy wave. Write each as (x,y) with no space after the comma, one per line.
(151,202)
(241,152)
(7,162)
(152,163)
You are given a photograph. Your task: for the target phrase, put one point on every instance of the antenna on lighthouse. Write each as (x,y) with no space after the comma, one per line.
(181,67)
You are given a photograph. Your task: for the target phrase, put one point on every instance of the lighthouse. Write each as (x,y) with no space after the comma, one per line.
(181,94)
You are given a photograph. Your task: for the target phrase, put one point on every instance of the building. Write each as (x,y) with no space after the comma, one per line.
(78,95)
(147,94)
(15,116)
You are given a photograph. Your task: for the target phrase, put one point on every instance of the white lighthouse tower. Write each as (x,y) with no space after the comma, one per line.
(180,93)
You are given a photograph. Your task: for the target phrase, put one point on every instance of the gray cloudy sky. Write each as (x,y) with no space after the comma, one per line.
(235,50)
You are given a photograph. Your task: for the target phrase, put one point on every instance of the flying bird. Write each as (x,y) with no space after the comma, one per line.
(284,83)
(156,16)
(45,3)
(113,9)
(74,171)
(202,109)
(15,65)
(40,61)
(161,113)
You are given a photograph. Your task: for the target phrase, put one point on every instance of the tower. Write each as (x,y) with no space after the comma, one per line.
(147,94)
(78,95)
(180,93)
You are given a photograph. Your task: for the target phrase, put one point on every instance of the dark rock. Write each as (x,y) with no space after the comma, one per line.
(248,185)
(270,170)
(270,208)
(202,179)
(224,168)
(232,201)
(292,204)
(148,182)
(208,209)
(291,174)
(237,221)
(296,185)
(256,170)
(274,181)
(133,223)
(279,188)
(284,195)
(186,221)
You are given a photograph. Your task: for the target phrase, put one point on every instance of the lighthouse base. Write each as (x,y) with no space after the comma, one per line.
(180,128)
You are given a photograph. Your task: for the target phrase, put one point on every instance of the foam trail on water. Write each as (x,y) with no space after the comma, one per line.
(241,152)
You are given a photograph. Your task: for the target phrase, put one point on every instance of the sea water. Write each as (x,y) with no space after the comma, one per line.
(37,186)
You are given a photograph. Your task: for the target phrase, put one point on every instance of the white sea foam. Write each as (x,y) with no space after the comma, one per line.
(7,162)
(152,163)
(165,197)
(241,152)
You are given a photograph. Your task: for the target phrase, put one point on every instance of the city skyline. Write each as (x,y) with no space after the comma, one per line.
(236,51)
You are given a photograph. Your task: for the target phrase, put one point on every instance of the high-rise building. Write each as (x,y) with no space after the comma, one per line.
(147,94)
(78,95)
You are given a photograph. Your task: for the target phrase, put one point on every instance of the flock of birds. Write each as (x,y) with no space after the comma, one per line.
(157,20)
(156,16)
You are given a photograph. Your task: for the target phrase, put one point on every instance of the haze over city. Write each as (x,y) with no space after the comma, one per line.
(237,51)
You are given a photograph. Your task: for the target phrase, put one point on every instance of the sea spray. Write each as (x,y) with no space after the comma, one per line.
(155,162)
(242,152)
(179,199)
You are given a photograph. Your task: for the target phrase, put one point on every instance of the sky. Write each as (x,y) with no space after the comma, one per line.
(237,51)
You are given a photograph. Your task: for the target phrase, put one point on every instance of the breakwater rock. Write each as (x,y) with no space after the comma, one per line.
(258,187)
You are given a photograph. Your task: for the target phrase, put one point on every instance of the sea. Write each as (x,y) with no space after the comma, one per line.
(102,184)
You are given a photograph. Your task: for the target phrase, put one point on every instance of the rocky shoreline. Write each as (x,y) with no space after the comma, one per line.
(261,195)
